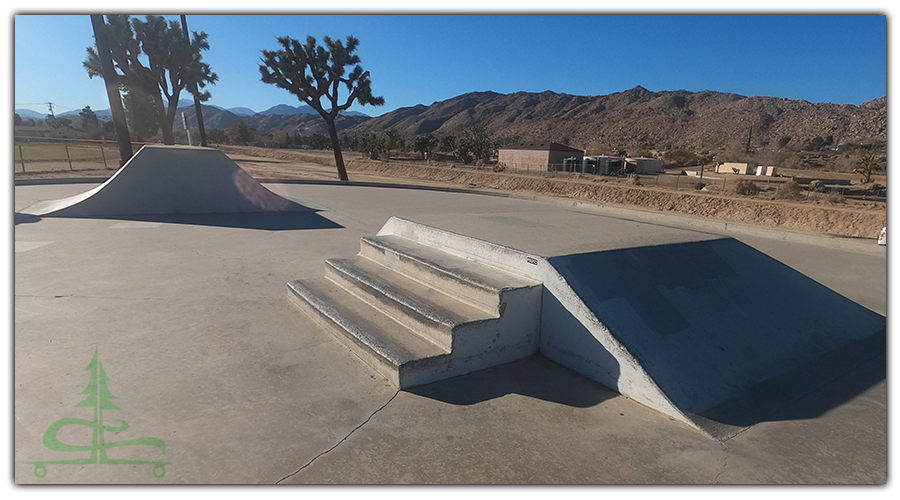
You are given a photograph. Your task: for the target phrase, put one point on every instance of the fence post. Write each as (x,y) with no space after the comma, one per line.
(723,183)
(68,157)
(102,154)
(677,177)
(22,157)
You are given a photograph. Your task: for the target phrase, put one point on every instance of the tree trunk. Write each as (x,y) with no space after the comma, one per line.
(336,146)
(193,90)
(168,135)
(168,124)
(112,89)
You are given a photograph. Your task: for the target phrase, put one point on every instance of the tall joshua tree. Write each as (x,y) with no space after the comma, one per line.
(174,63)
(311,71)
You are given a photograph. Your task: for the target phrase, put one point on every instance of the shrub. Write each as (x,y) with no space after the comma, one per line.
(681,158)
(835,196)
(745,187)
(790,190)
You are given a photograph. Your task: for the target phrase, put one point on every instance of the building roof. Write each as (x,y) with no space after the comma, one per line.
(545,146)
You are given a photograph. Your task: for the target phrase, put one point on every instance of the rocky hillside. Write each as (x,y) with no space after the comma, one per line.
(635,119)
(640,119)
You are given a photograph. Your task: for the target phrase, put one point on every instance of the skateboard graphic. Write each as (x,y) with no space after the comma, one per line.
(98,396)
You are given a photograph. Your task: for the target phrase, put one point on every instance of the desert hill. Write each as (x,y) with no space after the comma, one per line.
(633,120)
(641,119)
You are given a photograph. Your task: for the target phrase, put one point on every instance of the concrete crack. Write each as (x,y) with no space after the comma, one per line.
(724,465)
(341,441)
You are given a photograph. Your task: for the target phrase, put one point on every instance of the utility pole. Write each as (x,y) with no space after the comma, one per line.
(749,136)
(51,110)
(112,88)
(193,90)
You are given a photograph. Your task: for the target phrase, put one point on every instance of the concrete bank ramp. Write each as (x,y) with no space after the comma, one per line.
(714,333)
(171,180)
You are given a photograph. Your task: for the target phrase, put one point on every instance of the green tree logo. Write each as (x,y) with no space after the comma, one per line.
(98,397)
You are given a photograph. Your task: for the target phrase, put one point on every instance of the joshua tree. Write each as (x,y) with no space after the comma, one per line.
(311,71)
(173,63)
(425,144)
(868,164)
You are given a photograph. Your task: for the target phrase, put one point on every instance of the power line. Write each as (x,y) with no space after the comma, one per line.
(45,103)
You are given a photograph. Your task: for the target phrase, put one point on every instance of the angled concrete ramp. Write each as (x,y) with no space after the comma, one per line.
(171,180)
(714,333)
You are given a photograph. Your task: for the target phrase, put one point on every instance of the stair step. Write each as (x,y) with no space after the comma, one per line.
(387,346)
(474,283)
(417,306)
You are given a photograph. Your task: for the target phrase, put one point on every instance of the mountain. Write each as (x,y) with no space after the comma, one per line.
(302,123)
(242,111)
(303,109)
(30,115)
(633,120)
(284,109)
(639,119)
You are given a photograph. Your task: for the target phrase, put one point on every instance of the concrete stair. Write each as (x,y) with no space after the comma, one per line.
(417,314)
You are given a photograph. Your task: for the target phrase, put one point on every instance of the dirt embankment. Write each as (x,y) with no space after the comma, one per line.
(856,220)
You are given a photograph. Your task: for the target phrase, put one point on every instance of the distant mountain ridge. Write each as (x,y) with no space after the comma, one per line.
(279,109)
(639,119)
(632,120)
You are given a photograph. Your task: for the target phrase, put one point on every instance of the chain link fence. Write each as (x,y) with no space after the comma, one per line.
(806,188)
(40,155)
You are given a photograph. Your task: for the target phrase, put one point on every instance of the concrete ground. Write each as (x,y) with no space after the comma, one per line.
(204,351)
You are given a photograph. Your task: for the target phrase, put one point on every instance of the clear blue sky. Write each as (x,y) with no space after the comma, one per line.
(421,59)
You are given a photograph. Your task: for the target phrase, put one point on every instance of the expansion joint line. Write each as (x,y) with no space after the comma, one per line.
(341,441)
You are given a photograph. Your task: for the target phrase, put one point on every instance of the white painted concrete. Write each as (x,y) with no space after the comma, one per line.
(500,256)
(24,246)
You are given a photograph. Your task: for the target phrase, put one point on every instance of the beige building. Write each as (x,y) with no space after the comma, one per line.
(646,165)
(537,155)
(736,168)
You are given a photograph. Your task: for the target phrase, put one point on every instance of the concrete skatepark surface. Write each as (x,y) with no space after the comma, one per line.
(204,351)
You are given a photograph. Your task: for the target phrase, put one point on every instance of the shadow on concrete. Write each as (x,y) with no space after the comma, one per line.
(730,335)
(806,391)
(25,218)
(263,221)
(576,346)
(535,377)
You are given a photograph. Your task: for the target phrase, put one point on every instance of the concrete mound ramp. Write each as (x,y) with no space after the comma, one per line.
(418,312)
(171,180)
(714,334)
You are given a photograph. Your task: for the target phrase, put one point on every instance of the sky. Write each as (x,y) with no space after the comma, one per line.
(422,59)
